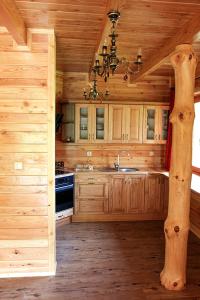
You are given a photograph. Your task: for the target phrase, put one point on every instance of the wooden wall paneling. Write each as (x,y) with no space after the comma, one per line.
(194,213)
(133,155)
(27,120)
(153,89)
(51,151)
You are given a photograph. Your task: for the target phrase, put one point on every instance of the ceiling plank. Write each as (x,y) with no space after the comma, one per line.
(111,5)
(12,20)
(185,35)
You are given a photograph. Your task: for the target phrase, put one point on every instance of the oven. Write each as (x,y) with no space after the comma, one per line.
(64,187)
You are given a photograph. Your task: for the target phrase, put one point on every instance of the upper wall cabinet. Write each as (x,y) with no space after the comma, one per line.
(68,122)
(91,123)
(125,123)
(155,124)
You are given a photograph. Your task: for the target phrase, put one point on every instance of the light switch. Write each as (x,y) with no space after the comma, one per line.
(151,153)
(18,165)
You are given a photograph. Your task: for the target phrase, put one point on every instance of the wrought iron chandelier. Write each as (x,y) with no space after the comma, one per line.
(129,65)
(110,60)
(93,93)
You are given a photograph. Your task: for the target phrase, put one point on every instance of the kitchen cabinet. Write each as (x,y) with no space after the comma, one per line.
(135,193)
(91,123)
(155,124)
(165,194)
(104,197)
(127,194)
(125,123)
(153,200)
(117,200)
(91,194)
(68,122)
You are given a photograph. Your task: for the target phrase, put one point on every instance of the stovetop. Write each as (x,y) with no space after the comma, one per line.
(63,172)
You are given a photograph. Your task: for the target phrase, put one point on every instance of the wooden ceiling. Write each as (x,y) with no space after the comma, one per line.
(79,24)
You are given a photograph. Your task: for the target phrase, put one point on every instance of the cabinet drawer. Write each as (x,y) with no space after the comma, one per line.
(92,190)
(92,206)
(91,178)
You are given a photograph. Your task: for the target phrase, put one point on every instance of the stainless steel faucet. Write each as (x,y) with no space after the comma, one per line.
(117,165)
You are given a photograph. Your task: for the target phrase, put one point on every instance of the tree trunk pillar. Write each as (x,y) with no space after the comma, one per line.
(176,228)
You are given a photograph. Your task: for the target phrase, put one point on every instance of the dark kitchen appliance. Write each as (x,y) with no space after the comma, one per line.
(64,187)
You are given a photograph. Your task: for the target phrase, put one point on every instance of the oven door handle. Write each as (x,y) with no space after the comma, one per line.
(64,188)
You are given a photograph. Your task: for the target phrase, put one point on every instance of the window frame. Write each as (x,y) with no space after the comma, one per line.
(196,170)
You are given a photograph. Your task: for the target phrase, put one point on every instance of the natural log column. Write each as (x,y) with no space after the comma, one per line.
(173,276)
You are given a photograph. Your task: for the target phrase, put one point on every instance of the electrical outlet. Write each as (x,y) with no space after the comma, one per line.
(18,165)
(151,153)
(89,153)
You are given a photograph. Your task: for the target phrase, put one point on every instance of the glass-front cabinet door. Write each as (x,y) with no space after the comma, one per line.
(164,120)
(100,121)
(150,125)
(68,122)
(91,124)
(83,116)
(155,127)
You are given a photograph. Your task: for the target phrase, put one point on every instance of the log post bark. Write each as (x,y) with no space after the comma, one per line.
(176,228)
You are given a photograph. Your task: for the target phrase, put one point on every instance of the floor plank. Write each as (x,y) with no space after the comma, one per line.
(108,261)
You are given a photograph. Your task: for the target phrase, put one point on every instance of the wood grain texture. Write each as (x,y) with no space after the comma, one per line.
(132,155)
(177,224)
(27,135)
(10,18)
(121,255)
(79,27)
(152,89)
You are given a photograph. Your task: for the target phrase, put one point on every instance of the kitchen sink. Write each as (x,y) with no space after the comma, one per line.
(128,169)
(107,169)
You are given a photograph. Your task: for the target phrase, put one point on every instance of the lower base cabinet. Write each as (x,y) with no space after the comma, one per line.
(91,194)
(127,194)
(153,199)
(118,197)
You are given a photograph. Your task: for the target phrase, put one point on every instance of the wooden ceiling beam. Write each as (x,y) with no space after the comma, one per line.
(184,36)
(111,5)
(12,20)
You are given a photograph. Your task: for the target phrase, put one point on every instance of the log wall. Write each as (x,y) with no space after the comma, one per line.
(27,118)
(155,89)
(132,155)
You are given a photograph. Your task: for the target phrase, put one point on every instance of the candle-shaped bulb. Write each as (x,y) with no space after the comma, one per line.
(139,52)
(104,49)
(97,62)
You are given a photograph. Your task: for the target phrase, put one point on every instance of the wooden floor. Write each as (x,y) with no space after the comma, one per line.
(115,261)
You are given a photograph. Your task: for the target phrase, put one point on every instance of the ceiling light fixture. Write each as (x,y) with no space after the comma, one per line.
(129,69)
(110,60)
(93,93)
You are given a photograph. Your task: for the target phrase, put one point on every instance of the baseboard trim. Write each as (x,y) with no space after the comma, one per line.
(115,217)
(27,274)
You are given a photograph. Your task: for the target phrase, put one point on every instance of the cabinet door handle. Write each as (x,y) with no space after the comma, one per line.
(127,136)
(89,136)
(159,136)
(123,137)
(155,136)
